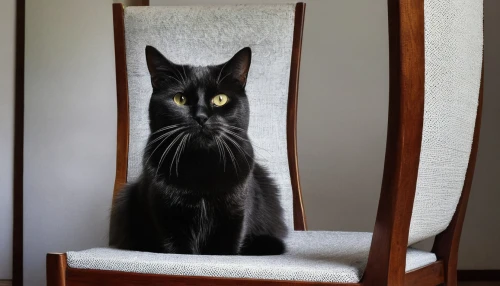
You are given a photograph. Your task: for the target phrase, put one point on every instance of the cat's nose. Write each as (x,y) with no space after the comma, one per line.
(201,118)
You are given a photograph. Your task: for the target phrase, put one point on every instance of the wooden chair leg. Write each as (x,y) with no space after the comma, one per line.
(450,274)
(56,269)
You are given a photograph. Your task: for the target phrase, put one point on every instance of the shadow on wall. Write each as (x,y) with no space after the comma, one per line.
(480,237)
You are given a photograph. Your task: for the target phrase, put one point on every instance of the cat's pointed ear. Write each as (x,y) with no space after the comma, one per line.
(158,65)
(238,66)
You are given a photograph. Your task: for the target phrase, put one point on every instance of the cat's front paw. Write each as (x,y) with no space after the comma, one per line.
(262,245)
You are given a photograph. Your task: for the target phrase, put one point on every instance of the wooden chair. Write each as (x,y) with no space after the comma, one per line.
(435,103)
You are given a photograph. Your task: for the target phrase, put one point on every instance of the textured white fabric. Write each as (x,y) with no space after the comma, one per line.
(453,60)
(318,256)
(212,35)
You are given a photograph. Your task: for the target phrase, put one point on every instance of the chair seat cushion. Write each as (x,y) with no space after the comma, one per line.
(318,256)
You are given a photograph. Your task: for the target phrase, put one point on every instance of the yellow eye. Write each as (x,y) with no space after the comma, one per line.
(180,99)
(219,100)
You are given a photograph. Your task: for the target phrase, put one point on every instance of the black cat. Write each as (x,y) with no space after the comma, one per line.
(200,191)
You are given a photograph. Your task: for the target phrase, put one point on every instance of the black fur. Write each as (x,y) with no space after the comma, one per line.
(200,191)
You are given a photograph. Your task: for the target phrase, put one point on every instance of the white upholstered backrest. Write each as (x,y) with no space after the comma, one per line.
(202,35)
(453,62)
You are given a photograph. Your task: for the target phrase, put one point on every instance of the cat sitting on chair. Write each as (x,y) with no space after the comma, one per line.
(200,191)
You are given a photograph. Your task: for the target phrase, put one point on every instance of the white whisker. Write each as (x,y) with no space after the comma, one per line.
(243,152)
(236,135)
(178,157)
(165,128)
(162,136)
(217,140)
(241,138)
(166,151)
(167,136)
(233,159)
(176,154)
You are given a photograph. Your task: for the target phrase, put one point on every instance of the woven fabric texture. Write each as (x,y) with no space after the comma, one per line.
(319,256)
(453,60)
(212,35)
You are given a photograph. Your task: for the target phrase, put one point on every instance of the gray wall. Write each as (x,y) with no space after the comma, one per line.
(70,131)
(7,71)
(479,245)
(71,118)
(343,103)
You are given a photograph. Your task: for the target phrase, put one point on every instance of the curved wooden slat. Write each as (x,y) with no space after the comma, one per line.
(122,99)
(386,262)
(299,219)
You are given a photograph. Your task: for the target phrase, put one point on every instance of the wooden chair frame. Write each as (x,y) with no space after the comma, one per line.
(386,261)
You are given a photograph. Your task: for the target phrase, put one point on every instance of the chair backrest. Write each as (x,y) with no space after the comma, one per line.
(453,64)
(434,117)
(204,35)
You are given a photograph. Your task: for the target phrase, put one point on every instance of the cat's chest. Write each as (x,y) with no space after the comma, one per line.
(208,175)
(202,224)
(218,194)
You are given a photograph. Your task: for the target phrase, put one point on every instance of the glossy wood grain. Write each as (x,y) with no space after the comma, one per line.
(386,262)
(81,277)
(429,275)
(56,269)
(122,99)
(299,218)
(18,180)
(59,274)
(446,243)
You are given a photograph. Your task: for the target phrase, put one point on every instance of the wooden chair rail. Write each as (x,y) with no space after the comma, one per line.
(59,274)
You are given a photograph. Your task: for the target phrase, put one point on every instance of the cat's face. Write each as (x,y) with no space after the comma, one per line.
(201,104)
